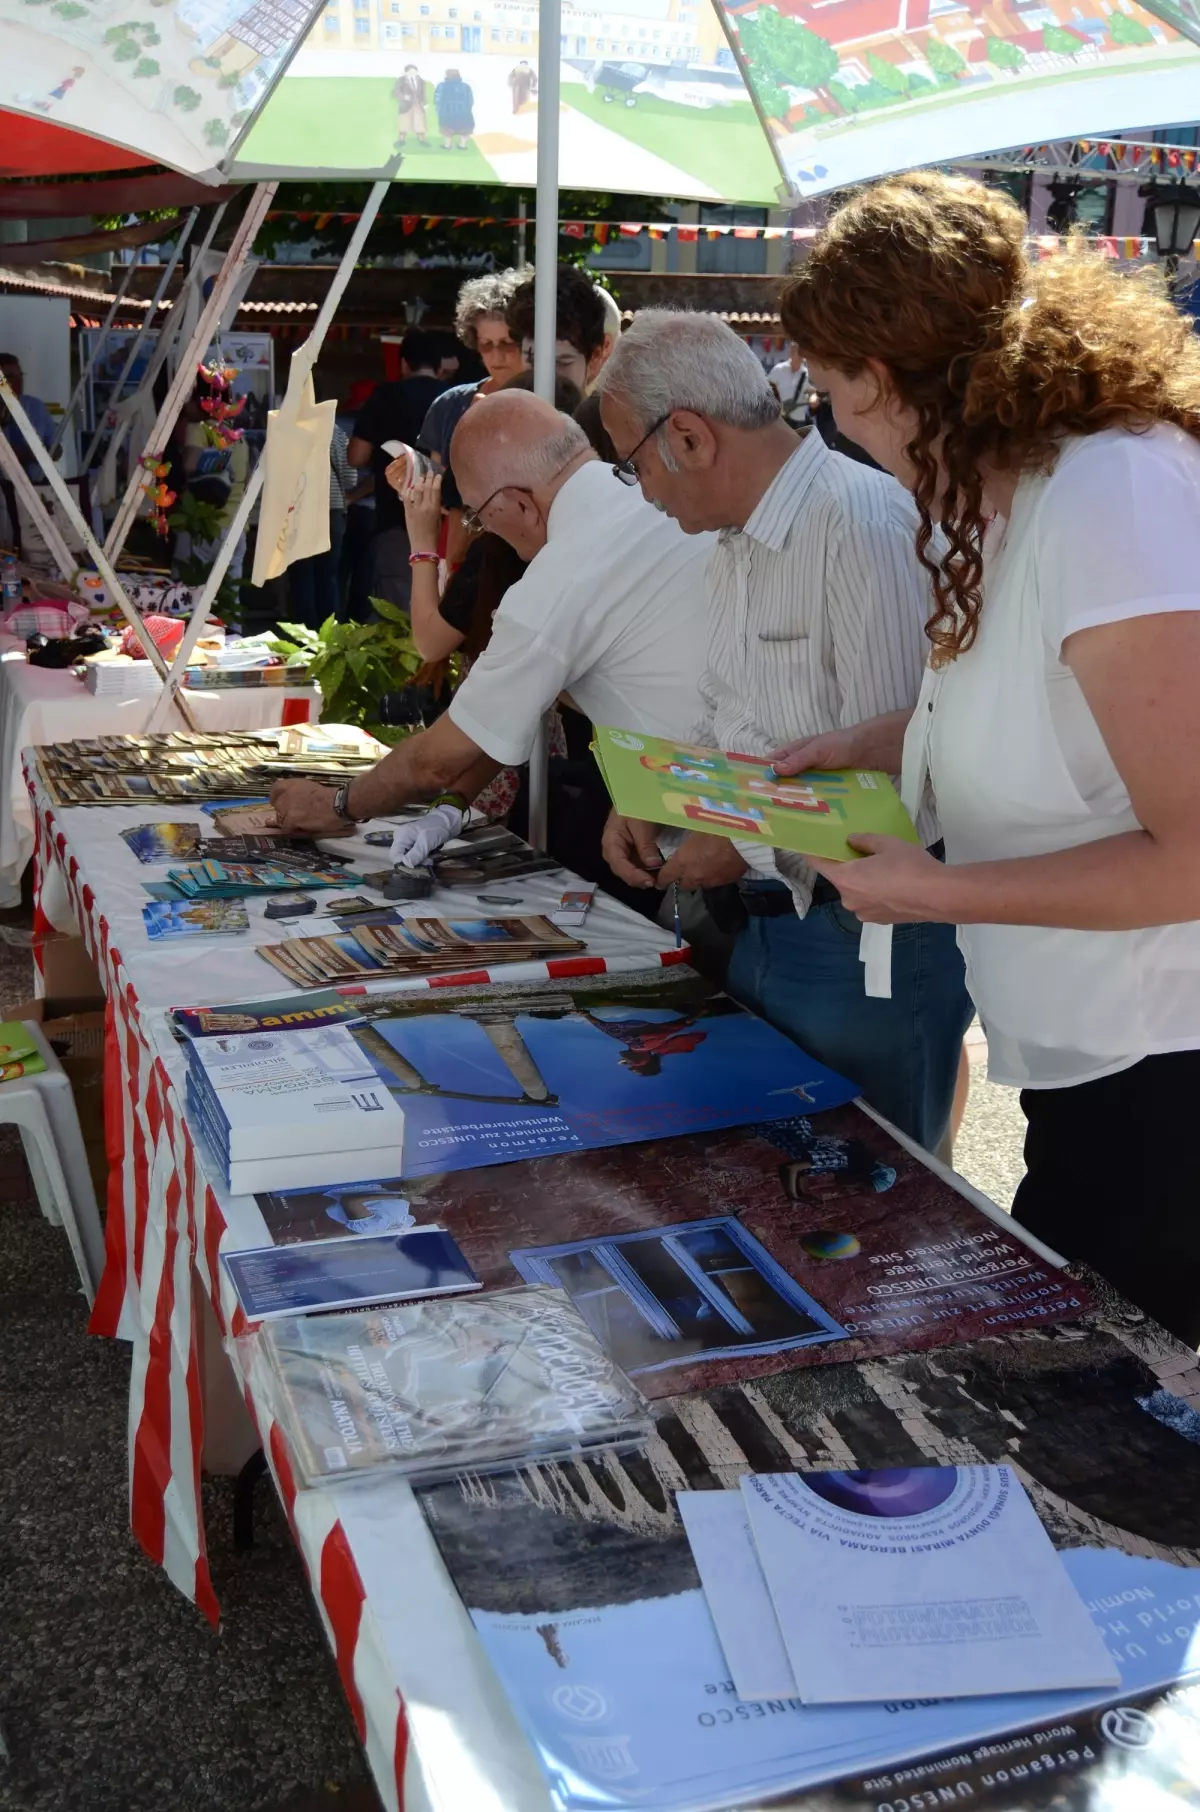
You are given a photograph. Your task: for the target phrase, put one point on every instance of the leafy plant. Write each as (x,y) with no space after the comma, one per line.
(887,74)
(125,51)
(186,99)
(355,664)
(67,9)
(145,66)
(1062,42)
(216,132)
(204,523)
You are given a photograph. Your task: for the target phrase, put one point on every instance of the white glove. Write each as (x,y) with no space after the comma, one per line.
(414,843)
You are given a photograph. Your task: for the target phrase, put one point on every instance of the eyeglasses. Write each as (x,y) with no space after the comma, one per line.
(472,520)
(625,469)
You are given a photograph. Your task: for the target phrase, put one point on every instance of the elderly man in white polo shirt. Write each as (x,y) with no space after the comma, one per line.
(817,606)
(611,611)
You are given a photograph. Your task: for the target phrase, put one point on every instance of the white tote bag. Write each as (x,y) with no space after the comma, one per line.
(293,519)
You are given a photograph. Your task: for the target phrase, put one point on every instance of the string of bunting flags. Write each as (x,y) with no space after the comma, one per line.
(602,232)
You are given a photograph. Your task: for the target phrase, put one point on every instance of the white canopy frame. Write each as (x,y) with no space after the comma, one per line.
(64,420)
(68,565)
(135,345)
(183,381)
(303,360)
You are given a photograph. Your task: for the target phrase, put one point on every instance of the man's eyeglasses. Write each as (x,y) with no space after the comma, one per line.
(472,520)
(625,469)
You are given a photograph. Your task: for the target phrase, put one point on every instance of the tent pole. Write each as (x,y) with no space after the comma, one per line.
(167,273)
(76,395)
(169,335)
(185,371)
(545,320)
(25,488)
(303,360)
(71,511)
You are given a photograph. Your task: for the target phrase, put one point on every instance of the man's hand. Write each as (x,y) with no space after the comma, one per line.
(896,884)
(629,848)
(304,808)
(832,749)
(702,861)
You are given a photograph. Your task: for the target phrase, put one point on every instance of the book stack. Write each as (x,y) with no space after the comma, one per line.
(285,1109)
(120,677)
(417,946)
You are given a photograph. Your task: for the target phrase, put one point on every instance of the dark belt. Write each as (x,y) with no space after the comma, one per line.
(772,900)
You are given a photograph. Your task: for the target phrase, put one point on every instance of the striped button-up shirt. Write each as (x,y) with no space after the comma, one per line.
(816,617)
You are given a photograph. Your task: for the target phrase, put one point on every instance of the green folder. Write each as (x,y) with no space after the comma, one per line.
(740,796)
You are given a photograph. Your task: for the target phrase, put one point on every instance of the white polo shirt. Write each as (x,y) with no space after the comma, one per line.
(1019,766)
(612,611)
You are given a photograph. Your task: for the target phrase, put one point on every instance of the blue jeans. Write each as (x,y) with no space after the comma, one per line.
(805,977)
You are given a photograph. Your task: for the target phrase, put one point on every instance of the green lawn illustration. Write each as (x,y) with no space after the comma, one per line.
(349,123)
(723,146)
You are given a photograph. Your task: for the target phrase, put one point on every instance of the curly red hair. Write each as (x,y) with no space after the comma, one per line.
(999,358)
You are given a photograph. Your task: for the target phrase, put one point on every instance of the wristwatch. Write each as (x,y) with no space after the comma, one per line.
(341,803)
(458,800)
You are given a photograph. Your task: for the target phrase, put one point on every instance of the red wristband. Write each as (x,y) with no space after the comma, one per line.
(417,559)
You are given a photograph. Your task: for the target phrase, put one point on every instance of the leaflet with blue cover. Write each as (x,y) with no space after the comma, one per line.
(919,1582)
(348,1273)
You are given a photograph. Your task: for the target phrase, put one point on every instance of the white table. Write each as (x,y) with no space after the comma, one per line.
(40,705)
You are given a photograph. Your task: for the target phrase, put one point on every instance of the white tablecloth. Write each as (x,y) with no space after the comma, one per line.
(39,705)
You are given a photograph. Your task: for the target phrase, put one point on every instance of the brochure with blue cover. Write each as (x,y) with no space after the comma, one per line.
(349,1273)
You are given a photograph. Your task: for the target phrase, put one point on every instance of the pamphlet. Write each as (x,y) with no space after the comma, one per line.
(348,1273)
(718,1528)
(741,796)
(919,1582)
(413,945)
(163,842)
(434,1389)
(194,918)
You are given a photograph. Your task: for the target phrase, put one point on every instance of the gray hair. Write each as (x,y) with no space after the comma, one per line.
(481,297)
(671,359)
(531,466)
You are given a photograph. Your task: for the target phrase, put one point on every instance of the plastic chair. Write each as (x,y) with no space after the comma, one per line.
(43,1110)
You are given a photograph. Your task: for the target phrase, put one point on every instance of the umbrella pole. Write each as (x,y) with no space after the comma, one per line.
(545,320)
(303,360)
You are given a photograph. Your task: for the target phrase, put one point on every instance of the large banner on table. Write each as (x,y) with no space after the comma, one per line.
(652,99)
(852,89)
(176,80)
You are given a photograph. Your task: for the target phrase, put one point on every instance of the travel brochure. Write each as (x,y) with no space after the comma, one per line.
(163,842)
(728,795)
(431,1390)
(189,766)
(487,1075)
(914,1582)
(19,1054)
(165,919)
(348,1273)
(393,946)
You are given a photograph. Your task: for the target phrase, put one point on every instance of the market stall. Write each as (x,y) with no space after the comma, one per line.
(487,1661)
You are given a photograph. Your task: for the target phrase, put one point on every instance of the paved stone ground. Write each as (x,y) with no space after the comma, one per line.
(988,1148)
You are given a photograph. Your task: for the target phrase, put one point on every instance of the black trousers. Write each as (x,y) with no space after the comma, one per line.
(1114,1179)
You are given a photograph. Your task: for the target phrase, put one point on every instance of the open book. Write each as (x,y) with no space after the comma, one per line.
(741,796)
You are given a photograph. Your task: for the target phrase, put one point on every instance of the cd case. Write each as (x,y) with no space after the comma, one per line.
(429,1390)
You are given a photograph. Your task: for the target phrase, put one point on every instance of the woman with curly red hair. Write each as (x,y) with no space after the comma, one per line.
(1046,418)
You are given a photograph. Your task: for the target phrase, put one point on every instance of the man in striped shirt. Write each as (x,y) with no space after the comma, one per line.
(817,605)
